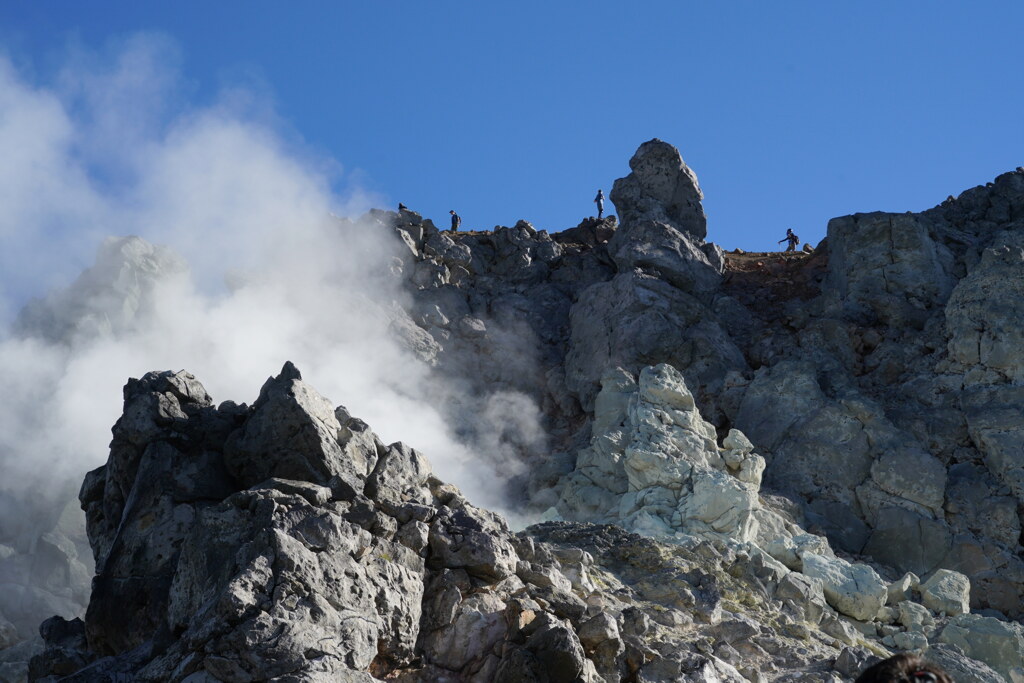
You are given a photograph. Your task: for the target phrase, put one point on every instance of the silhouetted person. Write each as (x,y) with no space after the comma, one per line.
(791,238)
(456,221)
(599,200)
(402,207)
(903,668)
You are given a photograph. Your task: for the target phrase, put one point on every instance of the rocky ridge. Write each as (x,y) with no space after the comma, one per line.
(892,455)
(892,346)
(284,541)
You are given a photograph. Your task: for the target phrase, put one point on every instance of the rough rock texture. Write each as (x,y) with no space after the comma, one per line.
(315,566)
(365,566)
(356,572)
(490,313)
(663,223)
(899,433)
(997,643)
(653,464)
(856,590)
(661,186)
(948,592)
(636,320)
(840,418)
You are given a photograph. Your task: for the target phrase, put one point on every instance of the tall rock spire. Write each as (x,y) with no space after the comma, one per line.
(661,188)
(663,222)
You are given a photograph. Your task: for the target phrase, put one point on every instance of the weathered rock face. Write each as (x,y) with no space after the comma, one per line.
(366,566)
(212,564)
(655,467)
(901,410)
(663,222)
(998,643)
(661,188)
(813,430)
(635,318)
(888,266)
(140,506)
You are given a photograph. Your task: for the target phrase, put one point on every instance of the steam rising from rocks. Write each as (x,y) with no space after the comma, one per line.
(271,274)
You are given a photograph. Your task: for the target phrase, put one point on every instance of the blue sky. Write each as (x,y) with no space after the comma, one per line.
(790,112)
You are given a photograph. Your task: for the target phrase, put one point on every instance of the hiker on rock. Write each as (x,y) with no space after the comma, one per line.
(791,238)
(456,221)
(599,200)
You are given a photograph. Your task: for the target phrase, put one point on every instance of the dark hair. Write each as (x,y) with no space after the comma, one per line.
(903,668)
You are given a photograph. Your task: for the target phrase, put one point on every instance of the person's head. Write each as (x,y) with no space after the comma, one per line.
(452,212)
(903,668)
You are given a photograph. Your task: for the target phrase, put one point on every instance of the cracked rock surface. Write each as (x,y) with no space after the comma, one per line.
(363,565)
(820,452)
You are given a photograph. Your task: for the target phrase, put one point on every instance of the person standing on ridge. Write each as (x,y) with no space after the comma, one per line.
(791,238)
(456,221)
(599,200)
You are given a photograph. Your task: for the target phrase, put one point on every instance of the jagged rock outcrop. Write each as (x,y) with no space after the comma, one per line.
(661,187)
(281,540)
(840,428)
(901,406)
(663,222)
(653,464)
(365,566)
(362,565)
(492,319)
(893,356)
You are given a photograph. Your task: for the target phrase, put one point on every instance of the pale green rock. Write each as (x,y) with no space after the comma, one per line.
(852,589)
(914,617)
(947,591)
(899,590)
(999,644)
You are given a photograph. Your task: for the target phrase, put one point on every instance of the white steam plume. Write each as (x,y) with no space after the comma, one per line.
(104,153)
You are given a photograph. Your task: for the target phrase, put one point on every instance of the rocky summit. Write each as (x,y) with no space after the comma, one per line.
(755,467)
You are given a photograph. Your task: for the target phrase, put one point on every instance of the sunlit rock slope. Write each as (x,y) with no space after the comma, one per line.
(755,467)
